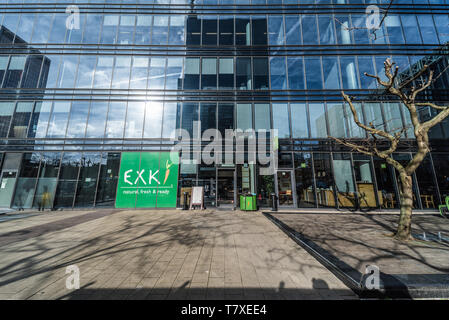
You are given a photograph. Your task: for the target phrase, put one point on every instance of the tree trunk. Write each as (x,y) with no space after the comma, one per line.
(403,232)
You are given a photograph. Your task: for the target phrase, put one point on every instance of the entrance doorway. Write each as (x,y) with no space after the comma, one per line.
(285,188)
(8,178)
(226,188)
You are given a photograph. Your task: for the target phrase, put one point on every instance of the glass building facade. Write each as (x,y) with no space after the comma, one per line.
(81,82)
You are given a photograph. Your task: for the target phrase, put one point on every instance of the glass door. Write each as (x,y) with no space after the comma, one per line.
(207,178)
(285,190)
(8,180)
(225,187)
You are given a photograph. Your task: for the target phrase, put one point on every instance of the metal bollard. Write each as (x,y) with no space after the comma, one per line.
(274,202)
(185,206)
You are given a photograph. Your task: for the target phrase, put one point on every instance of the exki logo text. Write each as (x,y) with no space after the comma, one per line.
(141,176)
(150,175)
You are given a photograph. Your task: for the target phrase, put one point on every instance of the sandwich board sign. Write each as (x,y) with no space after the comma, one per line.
(197,197)
(148,180)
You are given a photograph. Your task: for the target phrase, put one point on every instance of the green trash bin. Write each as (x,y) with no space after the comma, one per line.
(251,204)
(242,202)
(248,202)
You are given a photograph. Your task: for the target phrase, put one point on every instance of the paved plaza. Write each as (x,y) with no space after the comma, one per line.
(418,269)
(149,254)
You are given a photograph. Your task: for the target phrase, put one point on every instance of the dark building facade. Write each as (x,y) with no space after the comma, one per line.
(86,107)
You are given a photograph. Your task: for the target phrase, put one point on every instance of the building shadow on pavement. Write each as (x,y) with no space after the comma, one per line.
(348,243)
(320,291)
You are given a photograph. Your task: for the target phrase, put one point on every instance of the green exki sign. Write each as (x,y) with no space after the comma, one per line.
(148,180)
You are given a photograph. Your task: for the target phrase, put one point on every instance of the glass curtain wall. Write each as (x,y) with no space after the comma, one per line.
(70,114)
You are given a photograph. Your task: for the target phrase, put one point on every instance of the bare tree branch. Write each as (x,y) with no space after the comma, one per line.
(371,129)
(353,146)
(430,104)
(369,146)
(416,91)
(441,73)
(379,80)
(437,119)
(386,13)
(414,77)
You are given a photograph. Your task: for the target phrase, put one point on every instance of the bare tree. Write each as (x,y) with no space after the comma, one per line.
(407,93)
